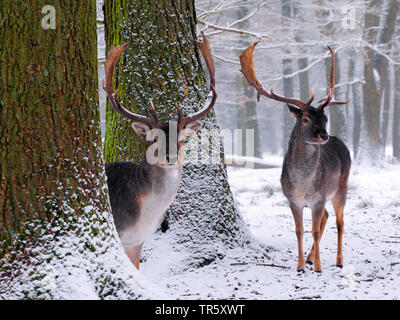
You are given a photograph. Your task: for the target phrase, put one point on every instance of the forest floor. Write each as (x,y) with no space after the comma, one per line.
(371,246)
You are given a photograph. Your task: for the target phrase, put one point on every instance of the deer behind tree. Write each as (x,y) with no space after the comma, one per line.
(141,193)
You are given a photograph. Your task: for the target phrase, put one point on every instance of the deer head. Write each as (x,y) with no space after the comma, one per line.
(311,122)
(146,127)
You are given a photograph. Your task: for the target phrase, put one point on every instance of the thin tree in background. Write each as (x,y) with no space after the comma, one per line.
(337,120)
(287,81)
(396,110)
(355,105)
(247,110)
(375,64)
(57,239)
(387,102)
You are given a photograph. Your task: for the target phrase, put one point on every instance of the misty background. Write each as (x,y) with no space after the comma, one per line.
(293,59)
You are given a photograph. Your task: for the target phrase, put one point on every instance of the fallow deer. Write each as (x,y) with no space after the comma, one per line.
(316,166)
(141,193)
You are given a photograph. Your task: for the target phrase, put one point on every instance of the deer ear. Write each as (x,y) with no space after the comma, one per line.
(194,126)
(141,129)
(295,112)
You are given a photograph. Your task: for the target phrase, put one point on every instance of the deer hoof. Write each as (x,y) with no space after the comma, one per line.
(339,265)
(301,270)
(317,268)
(308,261)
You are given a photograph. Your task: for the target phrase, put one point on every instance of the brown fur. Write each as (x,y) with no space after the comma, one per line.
(315,170)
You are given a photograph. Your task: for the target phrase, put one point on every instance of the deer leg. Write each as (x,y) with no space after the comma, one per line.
(317,214)
(311,255)
(298,220)
(134,254)
(338,204)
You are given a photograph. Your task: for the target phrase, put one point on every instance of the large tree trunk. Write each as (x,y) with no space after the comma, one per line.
(57,238)
(162,63)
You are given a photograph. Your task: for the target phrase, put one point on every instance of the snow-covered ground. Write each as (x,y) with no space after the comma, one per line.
(371,245)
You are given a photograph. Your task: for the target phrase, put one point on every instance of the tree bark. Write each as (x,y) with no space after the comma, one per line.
(162,63)
(57,239)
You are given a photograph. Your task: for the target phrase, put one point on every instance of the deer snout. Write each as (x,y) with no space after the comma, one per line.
(324,136)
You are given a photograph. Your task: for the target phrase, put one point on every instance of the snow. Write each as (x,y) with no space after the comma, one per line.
(371,246)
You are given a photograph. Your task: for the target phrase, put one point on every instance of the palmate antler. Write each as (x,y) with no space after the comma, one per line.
(247,63)
(111,61)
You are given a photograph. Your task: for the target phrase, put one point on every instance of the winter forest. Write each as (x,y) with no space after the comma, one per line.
(253,194)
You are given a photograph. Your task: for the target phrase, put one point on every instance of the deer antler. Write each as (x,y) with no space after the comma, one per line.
(247,63)
(204,47)
(112,58)
(331,87)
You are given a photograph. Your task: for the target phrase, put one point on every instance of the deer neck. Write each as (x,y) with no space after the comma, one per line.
(165,181)
(303,159)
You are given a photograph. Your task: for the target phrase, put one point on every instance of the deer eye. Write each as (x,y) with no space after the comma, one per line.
(306,120)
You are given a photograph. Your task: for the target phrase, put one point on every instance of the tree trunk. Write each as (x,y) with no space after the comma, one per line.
(302,63)
(287,82)
(252,118)
(396,114)
(337,121)
(386,106)
(356,106)
(375,64)
(162,63)
(247,112)
(57,238)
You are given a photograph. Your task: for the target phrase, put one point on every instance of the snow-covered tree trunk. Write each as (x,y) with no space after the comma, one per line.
(57,237)
(162,63)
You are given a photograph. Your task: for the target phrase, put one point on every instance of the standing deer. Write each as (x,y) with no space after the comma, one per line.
(141,193)
(316,166)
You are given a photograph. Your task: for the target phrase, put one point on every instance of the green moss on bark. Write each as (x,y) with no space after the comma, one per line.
(54,210)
